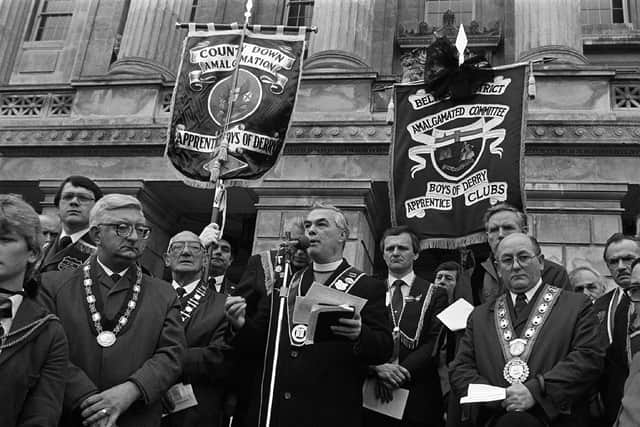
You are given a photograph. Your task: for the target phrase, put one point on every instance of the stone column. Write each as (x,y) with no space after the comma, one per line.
(345,26)
(13,18)
(547,25)
(150,41)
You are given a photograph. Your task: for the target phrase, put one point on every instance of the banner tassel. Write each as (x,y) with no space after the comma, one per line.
(531,88)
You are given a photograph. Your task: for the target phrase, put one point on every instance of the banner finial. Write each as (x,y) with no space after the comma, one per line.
(461,44)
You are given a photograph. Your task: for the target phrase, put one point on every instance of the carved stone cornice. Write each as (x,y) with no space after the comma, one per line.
(349,132)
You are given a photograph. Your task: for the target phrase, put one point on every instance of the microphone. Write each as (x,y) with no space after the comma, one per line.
(301,242)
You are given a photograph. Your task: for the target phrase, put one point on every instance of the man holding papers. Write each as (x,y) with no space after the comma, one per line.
(317,384)
(537,341)
(413,304)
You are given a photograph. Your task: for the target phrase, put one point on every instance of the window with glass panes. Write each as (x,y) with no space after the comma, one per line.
(594,12)
(463,10)
(299,12)
(52,20)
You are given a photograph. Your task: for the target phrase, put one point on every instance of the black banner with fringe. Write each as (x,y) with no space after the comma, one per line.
(267,84)
(453,160)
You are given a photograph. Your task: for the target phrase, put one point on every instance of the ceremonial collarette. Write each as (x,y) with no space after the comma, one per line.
(516,350)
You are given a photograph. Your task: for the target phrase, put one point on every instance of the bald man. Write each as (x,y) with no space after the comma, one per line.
(202,314)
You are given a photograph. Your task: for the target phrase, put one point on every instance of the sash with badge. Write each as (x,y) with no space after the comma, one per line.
(516,350)
(300,308)
(404,332)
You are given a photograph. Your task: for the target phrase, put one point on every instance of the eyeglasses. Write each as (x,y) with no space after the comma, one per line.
(82,198)
(124,230)
(633,292)
(193,247)
(626,259)
(524,259)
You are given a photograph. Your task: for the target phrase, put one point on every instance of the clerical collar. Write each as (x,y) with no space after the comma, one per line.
(529,294)
(326,268)
(109,271)
(75,236)
(407,278)
(188,288)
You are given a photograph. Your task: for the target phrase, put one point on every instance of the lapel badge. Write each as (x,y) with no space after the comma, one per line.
(340,285)
(349,280)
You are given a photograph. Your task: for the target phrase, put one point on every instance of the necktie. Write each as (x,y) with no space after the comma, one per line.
(115,277)
(521,304)
(397,301)
(5,308)
(64,242)
(181,291)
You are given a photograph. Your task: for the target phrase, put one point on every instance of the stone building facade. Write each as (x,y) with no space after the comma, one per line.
(85,88)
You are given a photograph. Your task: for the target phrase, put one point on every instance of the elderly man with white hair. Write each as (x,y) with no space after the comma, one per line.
(126,340)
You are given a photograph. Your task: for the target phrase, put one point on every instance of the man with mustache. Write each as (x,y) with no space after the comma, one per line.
(74,199)
(616,314)
(126,340)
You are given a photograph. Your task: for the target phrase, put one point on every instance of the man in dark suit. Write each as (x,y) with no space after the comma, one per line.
(221,259)
(74,199)
(317,384)
(539,342)
(204,365)
(614,309)
(33,347)
(500,221)
(413,306)
(126,339)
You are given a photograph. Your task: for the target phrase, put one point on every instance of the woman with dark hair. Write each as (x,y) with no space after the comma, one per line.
(33,346)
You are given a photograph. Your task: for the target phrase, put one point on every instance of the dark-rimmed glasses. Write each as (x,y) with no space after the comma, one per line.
(523,258)
(124,229)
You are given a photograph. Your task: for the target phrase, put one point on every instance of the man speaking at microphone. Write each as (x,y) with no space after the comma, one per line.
(317,384)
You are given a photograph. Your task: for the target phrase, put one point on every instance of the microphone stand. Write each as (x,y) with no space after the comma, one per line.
(283,297)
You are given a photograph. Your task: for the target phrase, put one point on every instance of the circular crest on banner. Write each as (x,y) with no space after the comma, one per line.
(249,98)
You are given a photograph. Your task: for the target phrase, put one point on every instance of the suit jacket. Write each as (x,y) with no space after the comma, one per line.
(204,365)
(33,371)
(69,258)
(486,286)
(319,384)
(629,415)
(567,354)
(148,350)
(616,363)
(421,361)
(258,279)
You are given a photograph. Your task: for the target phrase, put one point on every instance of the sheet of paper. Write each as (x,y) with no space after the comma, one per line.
(484,393)
(394,409)
(181,396)
(320,294)
(455,316)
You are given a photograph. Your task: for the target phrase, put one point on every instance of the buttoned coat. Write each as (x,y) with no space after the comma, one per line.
(33,371)
(567,354)
(320,384)
(204,364)
(148,350)
(424,404)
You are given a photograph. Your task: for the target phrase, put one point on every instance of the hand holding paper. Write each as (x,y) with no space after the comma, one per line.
(477,393)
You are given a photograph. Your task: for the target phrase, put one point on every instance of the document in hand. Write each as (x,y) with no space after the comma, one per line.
(321,294)
(484,393)
(455,316)
(394,409)
(322,317)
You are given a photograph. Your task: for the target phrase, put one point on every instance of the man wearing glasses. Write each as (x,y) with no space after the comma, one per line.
(126,339)
(500,221)
(541,343)
(204,366)
(617,314)
(74,199)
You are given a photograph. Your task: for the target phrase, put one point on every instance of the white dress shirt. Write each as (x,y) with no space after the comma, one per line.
(406,286)
(529,294)
(188,288)
(75,236)
(16,300)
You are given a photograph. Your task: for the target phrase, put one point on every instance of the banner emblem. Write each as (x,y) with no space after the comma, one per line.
(249,99)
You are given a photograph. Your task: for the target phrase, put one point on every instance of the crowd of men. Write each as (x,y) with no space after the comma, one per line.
(88,338)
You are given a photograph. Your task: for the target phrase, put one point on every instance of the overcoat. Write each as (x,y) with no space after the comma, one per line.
(320,384)
(69,258)
(148,350)
(567,355)
(33,371)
